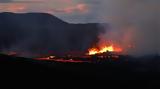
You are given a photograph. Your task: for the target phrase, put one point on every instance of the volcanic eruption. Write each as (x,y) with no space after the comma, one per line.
(103,49)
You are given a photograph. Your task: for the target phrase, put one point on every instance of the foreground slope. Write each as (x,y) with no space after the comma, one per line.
(24,72)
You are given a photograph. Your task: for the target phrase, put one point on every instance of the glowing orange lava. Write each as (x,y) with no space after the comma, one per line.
(104,49)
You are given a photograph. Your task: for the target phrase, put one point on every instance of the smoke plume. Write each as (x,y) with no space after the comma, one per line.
(135,25)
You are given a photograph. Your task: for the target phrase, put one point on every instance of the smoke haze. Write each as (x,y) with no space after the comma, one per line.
(135,24)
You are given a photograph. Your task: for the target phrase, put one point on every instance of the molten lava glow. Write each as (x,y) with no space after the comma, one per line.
(93,51)
(104,49)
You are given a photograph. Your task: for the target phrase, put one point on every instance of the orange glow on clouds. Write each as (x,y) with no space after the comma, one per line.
(81,8)
(13,7)
(48,6)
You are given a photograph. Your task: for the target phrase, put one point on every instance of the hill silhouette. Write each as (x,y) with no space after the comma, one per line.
(30,33)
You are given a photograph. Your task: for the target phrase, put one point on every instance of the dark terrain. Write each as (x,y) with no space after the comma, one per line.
(23,73)
(33,34)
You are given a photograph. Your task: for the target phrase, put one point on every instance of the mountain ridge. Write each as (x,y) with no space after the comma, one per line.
(34,32)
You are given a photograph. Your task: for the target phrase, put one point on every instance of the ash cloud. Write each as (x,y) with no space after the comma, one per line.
(134,22)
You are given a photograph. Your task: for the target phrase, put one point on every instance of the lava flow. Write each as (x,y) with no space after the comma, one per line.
(111,48)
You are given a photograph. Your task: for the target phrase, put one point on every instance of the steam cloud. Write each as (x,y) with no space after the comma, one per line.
(135,24)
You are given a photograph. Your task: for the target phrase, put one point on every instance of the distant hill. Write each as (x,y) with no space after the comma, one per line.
(41,33)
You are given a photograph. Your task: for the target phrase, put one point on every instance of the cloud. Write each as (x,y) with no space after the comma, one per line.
(16,7)
(81,8)
(20,1)
(49,6)
(78,8)
(5,1)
